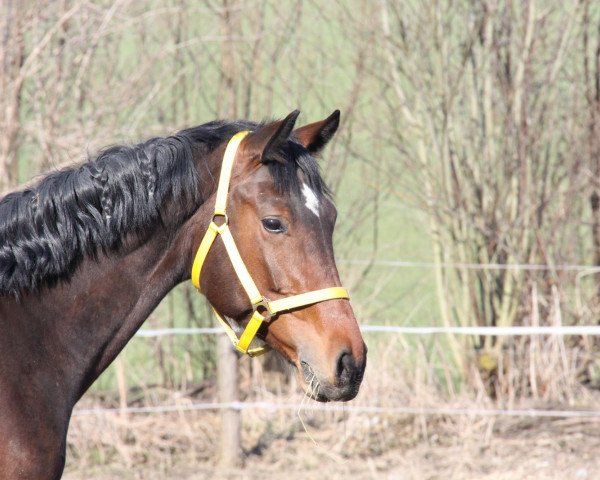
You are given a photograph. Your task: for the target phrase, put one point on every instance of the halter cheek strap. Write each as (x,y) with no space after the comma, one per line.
(264,310)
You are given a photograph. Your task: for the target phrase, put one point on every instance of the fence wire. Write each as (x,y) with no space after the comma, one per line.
(476,412)
(593,330)
(344,408)
(485,331)
(475,266)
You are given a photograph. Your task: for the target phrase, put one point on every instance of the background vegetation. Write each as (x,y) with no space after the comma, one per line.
(470,140)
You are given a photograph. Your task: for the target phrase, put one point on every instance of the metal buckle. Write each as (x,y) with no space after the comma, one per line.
(265,309)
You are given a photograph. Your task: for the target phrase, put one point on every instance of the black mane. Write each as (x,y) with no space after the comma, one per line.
(46,230)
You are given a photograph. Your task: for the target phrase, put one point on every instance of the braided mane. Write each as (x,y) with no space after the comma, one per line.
(48,229)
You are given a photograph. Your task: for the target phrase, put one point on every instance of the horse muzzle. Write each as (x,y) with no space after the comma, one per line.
(340,385)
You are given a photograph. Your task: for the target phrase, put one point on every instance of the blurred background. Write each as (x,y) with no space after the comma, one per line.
(466,173)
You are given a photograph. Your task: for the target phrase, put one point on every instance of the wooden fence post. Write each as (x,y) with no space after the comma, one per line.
(231,418)
(122,386)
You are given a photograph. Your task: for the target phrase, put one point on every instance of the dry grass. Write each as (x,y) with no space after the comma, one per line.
(383,446)
(285,444)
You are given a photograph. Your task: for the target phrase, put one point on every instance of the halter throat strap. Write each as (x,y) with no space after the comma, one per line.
(264,310)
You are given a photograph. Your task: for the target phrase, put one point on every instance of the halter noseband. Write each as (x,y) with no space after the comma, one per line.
(264,310)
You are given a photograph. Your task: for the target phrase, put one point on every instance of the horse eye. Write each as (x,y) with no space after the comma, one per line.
(273,225)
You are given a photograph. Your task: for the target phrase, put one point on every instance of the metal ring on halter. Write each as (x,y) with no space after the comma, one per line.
(266,311)
(223,215)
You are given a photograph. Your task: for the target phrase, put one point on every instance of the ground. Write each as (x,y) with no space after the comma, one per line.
(350,448)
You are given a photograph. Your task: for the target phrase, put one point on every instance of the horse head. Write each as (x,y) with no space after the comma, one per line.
(280,218)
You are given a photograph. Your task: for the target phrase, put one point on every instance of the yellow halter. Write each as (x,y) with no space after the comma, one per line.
(271,308)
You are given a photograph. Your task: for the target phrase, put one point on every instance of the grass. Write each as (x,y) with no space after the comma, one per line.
(358,444)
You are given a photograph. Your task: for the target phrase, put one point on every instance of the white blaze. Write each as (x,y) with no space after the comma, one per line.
(311,200)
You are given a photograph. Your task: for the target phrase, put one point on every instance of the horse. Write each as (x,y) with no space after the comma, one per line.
(88,252)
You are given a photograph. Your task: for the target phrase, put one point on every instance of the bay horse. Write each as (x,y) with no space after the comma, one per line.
(88,252)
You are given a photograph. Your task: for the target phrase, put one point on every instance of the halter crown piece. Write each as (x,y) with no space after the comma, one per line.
(264,309)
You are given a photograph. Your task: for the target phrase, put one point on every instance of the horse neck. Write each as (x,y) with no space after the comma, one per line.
(75,329)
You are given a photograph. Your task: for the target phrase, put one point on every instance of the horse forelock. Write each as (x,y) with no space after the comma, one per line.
(293,159)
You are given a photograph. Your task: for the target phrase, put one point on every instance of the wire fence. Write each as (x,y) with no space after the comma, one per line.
(483,331)
(558,330)
(369,409)
(240,406)
(475,266)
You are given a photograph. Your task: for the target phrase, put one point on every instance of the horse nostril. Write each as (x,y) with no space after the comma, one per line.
(345,368)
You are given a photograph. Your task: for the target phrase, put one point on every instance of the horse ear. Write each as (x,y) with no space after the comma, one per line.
(264,142)
(316,135)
